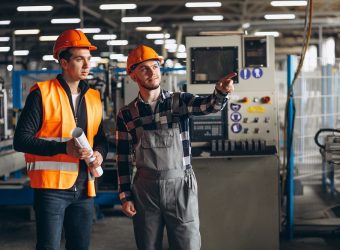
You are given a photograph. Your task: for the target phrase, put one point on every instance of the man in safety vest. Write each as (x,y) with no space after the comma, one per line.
(63,183)
(153,131)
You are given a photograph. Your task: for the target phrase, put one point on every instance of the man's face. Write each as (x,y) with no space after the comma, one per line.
(147,75)
(78,67)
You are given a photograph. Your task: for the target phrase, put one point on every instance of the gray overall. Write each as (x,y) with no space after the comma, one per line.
(165,194)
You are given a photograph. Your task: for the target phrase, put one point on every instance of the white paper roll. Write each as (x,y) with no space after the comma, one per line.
(80,138)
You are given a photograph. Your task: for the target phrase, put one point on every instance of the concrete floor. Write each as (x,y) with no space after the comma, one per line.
(114,231)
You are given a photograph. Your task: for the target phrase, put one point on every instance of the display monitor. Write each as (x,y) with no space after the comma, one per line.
(255,51)
(210,64)
(209,127)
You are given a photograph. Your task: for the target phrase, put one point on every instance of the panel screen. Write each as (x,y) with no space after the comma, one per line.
(210,64)
(255,50)
(209,127)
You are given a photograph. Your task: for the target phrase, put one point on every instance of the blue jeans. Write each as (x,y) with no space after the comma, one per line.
(57,208)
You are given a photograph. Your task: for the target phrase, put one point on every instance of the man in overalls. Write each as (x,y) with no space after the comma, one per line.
(152,132)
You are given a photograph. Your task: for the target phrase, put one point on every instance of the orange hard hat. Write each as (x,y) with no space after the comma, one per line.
(141,54)
(71,39)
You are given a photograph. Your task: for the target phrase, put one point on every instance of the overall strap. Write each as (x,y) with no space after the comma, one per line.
(135,117)
(175,107)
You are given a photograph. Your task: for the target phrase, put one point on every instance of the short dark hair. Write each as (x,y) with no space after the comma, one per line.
(65,54)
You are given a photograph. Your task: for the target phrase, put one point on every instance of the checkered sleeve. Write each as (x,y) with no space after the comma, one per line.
(204,104)
(123,158)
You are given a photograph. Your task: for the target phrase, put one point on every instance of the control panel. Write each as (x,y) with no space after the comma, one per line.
(250,119)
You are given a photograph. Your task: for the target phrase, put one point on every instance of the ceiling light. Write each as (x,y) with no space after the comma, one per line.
(153,28)
(4,39)
(35,8)
(203,4)
(288,3)
(181,55)
(65,20)
(104,37)
(128,6)
(279,16)
(117,42)
(27,32)
(267,33)
(171,46)
(90,30)
(166,41)
(136,19)
(5,49)
(157,36)
(118,57)
(47,38)
(208,18)
(5,22)
(20,52)
(245,25)
(48,58)
(10,67)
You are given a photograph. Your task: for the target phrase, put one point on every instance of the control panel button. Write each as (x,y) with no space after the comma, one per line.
(265,99)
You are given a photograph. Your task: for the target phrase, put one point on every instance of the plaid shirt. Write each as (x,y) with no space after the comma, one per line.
(161,117)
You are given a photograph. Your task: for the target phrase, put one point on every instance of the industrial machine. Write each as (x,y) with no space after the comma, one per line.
(330,152)
(239,181)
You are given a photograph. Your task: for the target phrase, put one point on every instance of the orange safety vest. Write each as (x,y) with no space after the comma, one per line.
(60,171)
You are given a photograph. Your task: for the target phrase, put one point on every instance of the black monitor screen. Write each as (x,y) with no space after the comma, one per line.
(209,127)
(210,64)
(255,51)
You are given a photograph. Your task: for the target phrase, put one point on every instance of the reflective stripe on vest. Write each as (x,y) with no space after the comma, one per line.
(52,165)
(60,171)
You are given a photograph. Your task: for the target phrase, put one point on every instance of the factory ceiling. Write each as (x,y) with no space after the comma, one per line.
(172,16)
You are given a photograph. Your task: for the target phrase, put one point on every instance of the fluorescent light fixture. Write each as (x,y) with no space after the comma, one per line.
(151,28)
(267,33)
(171,46)
(157,36)
(288,3)
(20,52)
(48,58)
(90,30)
(27,32)
(208,18)
(181,55)
(5,49)
(166,41)
(4,38)
(65,20)
(117,42)
(104,37)
(136,19)
(35,8)
(245,25)
(47,38)
(279,16)
(203,4)
(5,22)
(118,57)
(127,6)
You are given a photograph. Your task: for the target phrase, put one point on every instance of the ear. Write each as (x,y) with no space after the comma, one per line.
(133,77)
(63,63)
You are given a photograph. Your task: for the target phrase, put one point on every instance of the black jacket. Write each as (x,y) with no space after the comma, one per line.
(30,122)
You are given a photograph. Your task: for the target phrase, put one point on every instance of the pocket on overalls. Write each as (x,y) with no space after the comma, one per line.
(187,203)
(157,148)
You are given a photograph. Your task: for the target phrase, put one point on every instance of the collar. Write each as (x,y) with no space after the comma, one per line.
(162,96)
(82,85)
